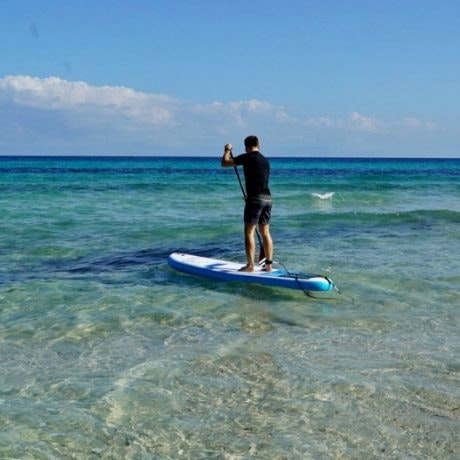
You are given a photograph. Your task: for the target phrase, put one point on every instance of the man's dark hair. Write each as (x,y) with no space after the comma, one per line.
(251,141)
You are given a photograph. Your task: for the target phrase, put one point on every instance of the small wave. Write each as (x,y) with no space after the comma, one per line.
(416,219)
(323,196)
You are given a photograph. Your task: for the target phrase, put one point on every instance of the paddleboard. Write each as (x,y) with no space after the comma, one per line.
(223,270)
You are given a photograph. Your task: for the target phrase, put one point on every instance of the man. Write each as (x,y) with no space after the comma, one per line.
(257,210)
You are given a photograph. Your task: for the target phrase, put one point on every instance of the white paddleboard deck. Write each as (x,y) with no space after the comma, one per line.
(229,271)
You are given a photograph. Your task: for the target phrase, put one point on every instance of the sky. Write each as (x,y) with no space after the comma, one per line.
(359,78)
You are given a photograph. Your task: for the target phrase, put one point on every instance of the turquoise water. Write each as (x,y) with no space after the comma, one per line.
(105,352)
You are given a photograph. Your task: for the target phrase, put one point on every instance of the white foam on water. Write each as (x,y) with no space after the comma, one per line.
(323,196)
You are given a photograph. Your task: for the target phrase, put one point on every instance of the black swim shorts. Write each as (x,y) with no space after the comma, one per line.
(257,211)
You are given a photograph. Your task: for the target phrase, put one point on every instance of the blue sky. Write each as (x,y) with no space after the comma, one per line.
(183,77)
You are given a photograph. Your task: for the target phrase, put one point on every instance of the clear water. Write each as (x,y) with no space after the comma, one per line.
(105,352)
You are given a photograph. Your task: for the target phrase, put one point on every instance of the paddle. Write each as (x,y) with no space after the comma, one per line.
(261,245)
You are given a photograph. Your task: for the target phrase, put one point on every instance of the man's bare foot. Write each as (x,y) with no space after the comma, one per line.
(247,268)
(267,265)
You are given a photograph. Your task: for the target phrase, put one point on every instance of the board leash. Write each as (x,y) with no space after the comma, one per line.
(297,278)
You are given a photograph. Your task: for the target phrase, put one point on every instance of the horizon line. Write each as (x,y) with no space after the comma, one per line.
(125,156)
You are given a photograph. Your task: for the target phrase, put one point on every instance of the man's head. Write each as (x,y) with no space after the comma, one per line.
(251,143)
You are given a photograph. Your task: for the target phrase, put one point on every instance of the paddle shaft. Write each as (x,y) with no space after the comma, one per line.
(262,251)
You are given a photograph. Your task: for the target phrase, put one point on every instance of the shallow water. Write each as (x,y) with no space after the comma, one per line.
(105,352)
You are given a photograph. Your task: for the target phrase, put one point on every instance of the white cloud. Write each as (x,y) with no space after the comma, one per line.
(53,111)
(56,94)
(414,123)
(240,109)
(56,116)
(322,122)
(354,122)
(358,122)
(53,93)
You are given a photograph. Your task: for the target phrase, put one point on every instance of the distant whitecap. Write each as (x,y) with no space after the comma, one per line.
(323,196)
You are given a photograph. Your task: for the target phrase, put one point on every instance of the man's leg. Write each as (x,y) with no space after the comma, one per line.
(250,246)
(268,244)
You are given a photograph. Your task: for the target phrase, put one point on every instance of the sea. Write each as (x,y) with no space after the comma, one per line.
(106,352)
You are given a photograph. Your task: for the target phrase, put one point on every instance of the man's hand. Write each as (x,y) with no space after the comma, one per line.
(227,159)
